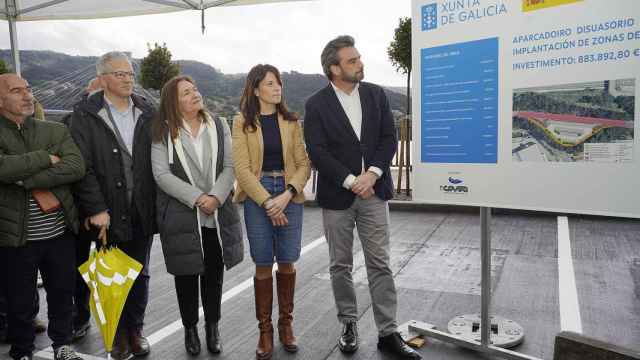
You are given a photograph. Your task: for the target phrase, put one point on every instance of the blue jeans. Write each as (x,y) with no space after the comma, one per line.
(268,242)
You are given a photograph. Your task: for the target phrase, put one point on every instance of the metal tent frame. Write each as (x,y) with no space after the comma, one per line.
(13,13)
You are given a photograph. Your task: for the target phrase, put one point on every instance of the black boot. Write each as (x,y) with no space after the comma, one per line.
(191,340)
(213,338)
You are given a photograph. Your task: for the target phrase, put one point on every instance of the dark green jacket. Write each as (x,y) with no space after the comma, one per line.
(25,165)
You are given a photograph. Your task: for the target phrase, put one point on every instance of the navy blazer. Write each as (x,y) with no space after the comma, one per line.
(334,148)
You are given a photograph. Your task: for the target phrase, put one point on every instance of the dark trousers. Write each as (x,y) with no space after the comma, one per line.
(81,312)
(56,260)
(4,303)
(139,248)
(4,275)
(3,291)
(210,284)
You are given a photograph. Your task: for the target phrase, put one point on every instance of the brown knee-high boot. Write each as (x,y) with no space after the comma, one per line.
(286,288)
(263,291)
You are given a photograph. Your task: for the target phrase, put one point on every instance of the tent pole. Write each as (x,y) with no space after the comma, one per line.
(15,51)
(13,34)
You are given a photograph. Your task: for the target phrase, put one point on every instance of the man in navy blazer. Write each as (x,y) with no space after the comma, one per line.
(350,137)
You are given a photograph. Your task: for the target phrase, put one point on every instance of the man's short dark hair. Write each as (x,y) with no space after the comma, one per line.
(330,53)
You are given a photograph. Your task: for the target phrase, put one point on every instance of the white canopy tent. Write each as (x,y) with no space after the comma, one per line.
(31,10)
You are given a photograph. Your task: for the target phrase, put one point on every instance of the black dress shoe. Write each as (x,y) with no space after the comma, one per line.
(348,341)
(394,344)
(191,340)
(138,343)
(120,349)
(213,338)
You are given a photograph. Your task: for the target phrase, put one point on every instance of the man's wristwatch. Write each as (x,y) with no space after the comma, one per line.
(292,189)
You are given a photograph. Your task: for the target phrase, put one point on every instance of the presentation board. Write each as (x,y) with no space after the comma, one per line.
(527,104)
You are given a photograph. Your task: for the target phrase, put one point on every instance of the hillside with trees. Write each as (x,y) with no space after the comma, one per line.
(222,91)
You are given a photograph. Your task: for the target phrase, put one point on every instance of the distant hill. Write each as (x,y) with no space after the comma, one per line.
(72,73)
(41,66)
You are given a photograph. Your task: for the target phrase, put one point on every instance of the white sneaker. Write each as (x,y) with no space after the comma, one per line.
(65,352)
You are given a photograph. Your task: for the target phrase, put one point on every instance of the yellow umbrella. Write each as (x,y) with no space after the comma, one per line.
(109,274)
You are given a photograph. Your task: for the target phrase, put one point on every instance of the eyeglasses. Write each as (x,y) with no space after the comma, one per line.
(121,74)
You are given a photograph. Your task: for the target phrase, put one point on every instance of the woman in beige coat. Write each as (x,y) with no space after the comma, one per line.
(272,168)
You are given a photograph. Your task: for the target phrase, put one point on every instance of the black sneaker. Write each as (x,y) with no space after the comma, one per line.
(65,352)
(80,330)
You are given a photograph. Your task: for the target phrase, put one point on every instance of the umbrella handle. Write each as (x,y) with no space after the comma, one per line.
(102,236)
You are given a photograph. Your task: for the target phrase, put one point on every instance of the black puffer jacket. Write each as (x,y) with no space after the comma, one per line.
(178,223)
(104,186)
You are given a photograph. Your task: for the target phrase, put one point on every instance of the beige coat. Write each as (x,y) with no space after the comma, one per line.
(248,150)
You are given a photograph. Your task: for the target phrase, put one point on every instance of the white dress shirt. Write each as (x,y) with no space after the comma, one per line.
(353,108)
(197,141)
(198,144)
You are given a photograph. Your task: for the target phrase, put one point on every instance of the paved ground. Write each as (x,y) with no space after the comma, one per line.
(436,261)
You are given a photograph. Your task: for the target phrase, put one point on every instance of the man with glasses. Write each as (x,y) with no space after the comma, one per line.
(112,128)
(81,294)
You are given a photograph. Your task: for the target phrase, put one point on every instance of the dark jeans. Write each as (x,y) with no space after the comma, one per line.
(81,312)
(56,260)
(210,284)
(4,304)
(139,248)
(4,274)
(3,291)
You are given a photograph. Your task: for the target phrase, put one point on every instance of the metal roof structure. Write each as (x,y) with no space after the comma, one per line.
(32,10)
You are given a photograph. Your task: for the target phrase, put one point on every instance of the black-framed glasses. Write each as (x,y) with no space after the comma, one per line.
(122,74)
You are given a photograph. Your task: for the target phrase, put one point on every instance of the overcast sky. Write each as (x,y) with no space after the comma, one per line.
(287,35)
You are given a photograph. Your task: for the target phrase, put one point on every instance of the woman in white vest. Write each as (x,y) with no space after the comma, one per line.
(199,226)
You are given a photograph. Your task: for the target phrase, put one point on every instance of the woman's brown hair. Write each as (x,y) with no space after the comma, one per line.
(168,119)
(249,102)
